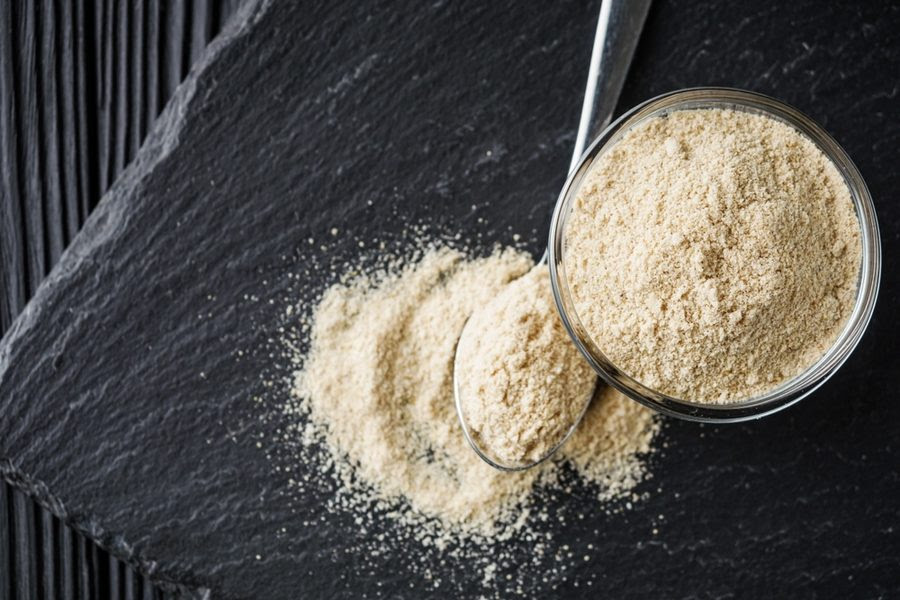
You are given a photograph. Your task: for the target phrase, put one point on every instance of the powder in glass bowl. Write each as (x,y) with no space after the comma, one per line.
(522,382)
(713,254)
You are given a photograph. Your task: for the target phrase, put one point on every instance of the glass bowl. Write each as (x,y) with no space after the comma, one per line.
(788,392)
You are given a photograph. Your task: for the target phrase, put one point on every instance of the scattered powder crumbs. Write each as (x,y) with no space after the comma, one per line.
(607,448)
(713,254)
(372,402)
(522,382)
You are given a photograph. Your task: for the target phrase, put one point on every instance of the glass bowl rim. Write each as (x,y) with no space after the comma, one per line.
(790,391)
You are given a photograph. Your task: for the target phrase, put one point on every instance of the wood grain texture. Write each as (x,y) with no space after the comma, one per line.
(42,558)
(81,83)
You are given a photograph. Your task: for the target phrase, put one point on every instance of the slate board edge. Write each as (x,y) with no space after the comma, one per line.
(159,144)
(92,530)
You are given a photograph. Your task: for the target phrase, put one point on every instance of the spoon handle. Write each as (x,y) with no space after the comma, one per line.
(618,30)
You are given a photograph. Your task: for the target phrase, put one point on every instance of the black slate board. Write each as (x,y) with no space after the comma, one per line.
(122,393)
(80,84)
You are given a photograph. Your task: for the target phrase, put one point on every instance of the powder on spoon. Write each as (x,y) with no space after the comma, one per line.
(377,388)
(713,254)
(522,382)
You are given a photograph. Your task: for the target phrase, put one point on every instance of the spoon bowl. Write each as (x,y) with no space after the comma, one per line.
(474,438)
(618,28)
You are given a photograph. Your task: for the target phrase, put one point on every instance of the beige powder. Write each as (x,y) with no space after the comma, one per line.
(379,378)
(377,387)
(521,380)
(608,445)
(713,254)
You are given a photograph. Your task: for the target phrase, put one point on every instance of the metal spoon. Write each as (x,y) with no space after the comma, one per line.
(618,30)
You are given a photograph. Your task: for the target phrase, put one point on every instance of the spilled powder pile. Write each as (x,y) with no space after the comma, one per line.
(713,254)
(377,388)
(605,448)
(522,382)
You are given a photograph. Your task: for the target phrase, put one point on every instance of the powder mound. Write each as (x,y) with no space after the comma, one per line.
(713,254)
(606,448)
(522,382)
(379,378)
(377,388)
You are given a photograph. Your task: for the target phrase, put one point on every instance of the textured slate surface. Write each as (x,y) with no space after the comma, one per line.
(80,83)
(122,393)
